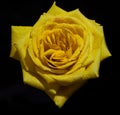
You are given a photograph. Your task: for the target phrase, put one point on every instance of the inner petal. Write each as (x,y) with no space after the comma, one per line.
(58,55)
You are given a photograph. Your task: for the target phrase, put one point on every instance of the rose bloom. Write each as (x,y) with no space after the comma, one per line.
(60,52)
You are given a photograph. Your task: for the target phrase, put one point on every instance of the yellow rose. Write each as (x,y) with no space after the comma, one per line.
(60,52)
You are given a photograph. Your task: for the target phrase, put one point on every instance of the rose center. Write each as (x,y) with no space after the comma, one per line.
(61,45)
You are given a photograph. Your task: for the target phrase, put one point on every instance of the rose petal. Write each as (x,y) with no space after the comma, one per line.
(32,80)
(55,10)
(18,33)
(64,93)
(93,70)
(83,20)
(105,53)
(39,83)
(104,49)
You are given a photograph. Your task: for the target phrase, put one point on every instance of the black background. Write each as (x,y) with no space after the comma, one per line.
(98,95)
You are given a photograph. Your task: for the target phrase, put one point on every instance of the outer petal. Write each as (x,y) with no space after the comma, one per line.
(55,10)
(65,92)
(95,28)
(104,49)
(18,51)
(20,37)
(36,81)
(38,26)
(32,80)
(93,70)
(87,23)
(17,33)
